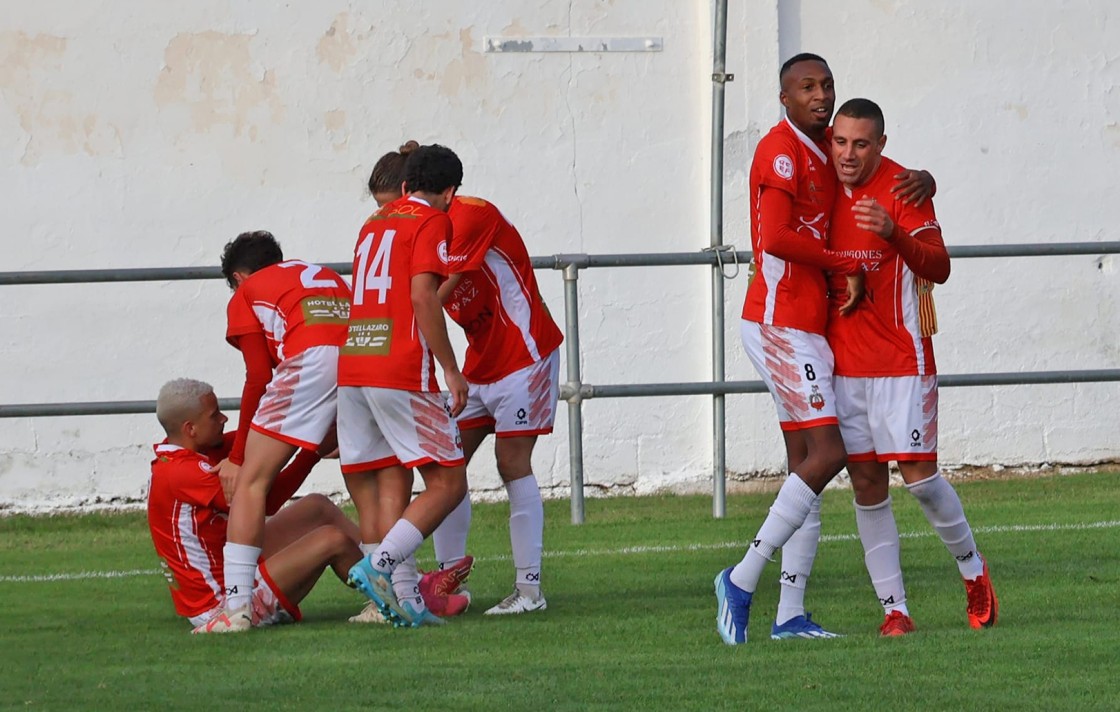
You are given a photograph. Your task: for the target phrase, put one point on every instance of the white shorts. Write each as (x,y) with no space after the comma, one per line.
(300,405)
(884,419)
(381,427)
(269,605)
(797,368)
(523,403)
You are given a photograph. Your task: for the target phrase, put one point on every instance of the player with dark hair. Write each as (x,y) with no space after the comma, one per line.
(288,319)
(792,190)
(392,415)
(512,365)
(886,378)
(187,508)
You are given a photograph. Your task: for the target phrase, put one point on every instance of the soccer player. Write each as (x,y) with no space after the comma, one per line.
(288,319)
(392,415)
(187,518)
(512,365)
(793,188)
(886,378)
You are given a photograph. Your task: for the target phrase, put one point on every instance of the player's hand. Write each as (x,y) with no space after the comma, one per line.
(227,475)
(913,187)
(457,385)
(872,216)
(855,293)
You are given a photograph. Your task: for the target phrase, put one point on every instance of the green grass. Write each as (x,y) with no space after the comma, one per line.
(623,630)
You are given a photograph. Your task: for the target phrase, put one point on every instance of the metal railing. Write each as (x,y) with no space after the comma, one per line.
(574,391)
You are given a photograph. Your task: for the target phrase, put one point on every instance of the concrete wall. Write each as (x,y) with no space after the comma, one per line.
(147,134)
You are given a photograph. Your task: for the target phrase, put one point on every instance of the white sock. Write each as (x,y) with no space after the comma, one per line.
(240,573)
(450,537)
(369,549)
(797,562)
(879,534)
(401,542)
(943,509)
(406,583)
(788,512)
(526,530)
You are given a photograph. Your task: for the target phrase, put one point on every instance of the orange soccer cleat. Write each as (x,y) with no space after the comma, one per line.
(896,623)
(983,606)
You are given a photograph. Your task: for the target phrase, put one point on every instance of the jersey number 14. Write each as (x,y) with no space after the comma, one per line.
(374,276)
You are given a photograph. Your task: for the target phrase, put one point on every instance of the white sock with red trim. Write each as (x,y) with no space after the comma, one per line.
(401,542)
(788,512)
(797,563)
(450,537)
(526,530)
(878,533)
(944,511)
(240,568)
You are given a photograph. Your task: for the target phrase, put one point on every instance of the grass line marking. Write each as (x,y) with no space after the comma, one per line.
(623,551)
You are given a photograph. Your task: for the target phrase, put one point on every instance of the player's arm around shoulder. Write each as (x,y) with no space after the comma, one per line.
(918,239)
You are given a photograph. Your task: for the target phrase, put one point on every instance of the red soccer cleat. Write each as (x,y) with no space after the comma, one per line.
(983,607)
(896,623)
(442,589)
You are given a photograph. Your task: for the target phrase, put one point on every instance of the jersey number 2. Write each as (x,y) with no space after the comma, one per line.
(307,276)
(374,276)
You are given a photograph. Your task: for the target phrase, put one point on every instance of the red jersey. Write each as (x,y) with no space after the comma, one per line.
(889,332)
(781,292)
(295,305)
(187,514)
(497,300)
(384,347)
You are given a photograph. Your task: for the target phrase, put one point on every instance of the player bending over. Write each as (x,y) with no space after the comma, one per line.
(513,367)
(886,378)
(288,319)
(392,415)
(187,518)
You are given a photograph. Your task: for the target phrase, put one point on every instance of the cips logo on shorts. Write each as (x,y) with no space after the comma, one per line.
(915,438)
(783,166)
(521,417)
(816,400)
(368,337)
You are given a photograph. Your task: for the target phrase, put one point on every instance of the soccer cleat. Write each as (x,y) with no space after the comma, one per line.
(519,602)
(983,607)
(895,624)
(443,591)
(415,618)
(733,609)
(369,614)
(227,621)
(378,587)
(800,627)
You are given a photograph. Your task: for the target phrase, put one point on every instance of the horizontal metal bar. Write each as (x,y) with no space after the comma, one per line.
(587,391)
(557,262)
(573,44)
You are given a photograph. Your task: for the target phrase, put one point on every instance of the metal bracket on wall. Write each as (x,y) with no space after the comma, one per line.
(722,77)
(573,44)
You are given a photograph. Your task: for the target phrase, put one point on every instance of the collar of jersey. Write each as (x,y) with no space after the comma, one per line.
(414,199)
(807,141)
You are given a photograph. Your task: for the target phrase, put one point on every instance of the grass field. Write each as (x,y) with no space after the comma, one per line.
(630,623)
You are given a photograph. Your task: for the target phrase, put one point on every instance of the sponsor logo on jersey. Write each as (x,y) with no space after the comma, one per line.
(783,166)
(441,251)
(325,310)
(368,337)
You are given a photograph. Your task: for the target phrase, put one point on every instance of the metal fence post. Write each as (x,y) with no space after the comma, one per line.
(573,387)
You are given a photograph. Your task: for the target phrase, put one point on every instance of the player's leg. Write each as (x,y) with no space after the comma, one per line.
(797,369)
(800,551)
(857,402)
(450,537)
(526,524)
(297,567)
(264,458)
(302,516)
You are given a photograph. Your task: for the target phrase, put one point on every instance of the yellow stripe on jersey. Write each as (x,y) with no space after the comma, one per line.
(927,312)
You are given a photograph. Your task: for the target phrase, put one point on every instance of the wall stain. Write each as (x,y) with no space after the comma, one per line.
(338,46)
(212,75)
(468,72)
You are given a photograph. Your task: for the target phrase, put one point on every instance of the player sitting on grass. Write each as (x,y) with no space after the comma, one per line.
(187,509)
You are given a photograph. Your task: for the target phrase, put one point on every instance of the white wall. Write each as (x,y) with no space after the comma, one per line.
(148,134)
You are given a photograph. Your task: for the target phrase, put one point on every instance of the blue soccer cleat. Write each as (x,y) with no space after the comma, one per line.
(378,587)
(416,617)
(800,627)
(733,609)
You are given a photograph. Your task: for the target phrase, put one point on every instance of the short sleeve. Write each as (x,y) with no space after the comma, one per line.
(429,248)
(195,481)
(776,162)
(475,224)
(913,219)
(240,319)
